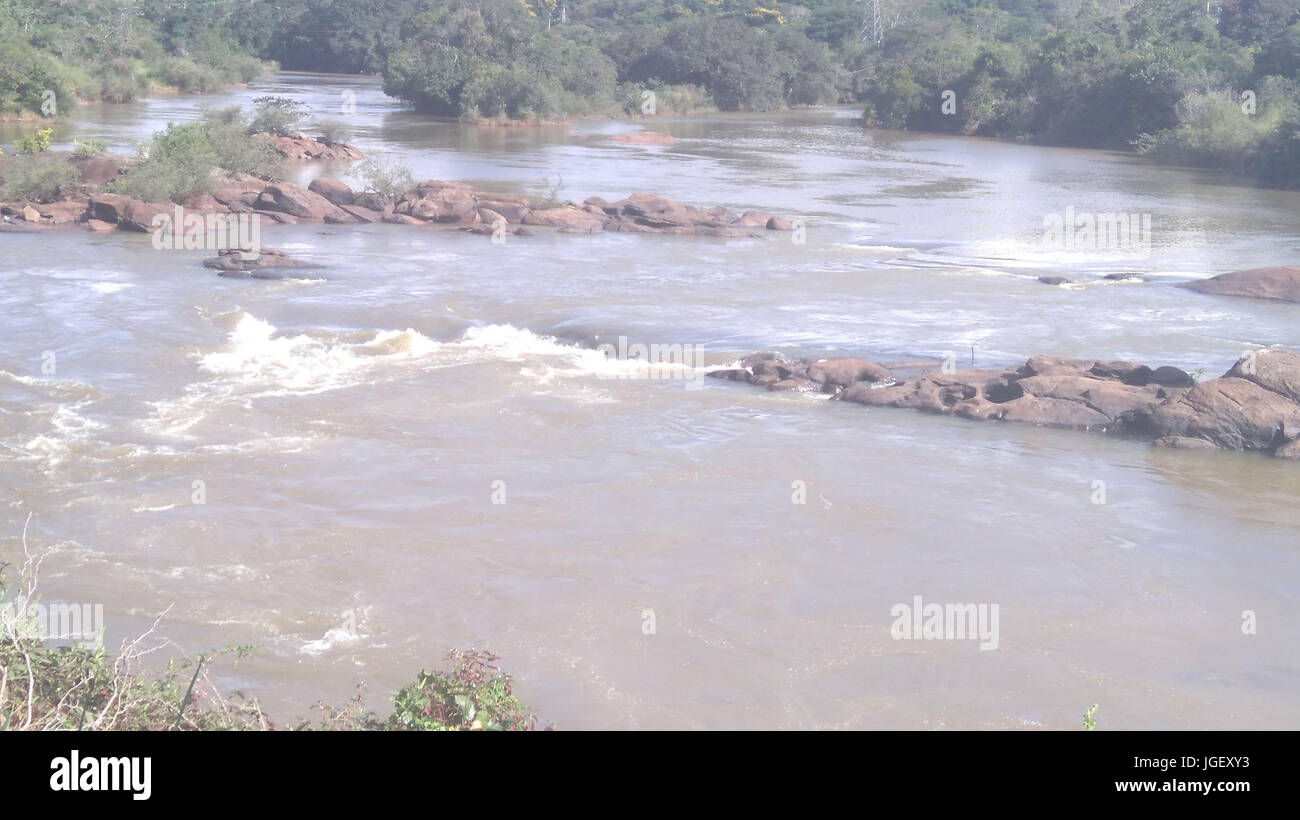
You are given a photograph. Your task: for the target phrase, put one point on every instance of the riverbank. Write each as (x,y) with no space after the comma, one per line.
(79,686)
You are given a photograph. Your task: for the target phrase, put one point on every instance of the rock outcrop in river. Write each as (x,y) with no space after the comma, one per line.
(1262,283)
(267,263)
(433,201)
(300,146)
(1254,406)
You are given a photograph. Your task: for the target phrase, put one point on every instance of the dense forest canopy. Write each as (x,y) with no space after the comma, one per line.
(1214,83)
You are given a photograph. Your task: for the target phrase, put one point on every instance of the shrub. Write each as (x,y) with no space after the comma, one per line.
(35,143)
(190,77)
(238,151)
(474,695)
(180,161)
(88,148)
(385,178)
(332,132)
(275,115)
(37,177)
(119,80)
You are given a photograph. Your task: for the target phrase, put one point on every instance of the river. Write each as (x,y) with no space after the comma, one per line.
(649,569)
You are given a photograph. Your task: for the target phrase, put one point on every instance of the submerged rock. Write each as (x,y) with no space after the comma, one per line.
(643,138)
(246,262)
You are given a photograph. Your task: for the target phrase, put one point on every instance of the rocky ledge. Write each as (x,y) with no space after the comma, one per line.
(1254,406)
(433,201)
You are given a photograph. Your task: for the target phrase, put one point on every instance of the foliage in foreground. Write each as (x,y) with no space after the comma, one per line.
(81,688)
(473,695)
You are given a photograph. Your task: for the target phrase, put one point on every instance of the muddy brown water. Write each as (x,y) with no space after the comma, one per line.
(351,428)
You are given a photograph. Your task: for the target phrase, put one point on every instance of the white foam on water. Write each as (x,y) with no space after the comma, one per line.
(256,362)
(563,359)
(335,637)
(110,287)
(163,508)
(69,432)
(350,633)
(856,246)
(55,388)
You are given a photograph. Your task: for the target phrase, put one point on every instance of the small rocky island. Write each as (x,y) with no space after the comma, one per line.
(433,201)
(1255,406)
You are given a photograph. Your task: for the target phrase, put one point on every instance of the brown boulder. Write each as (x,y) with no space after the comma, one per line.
(61,213)
(1112,399)
(139,216)
(300,146)
(1231,412)
(844,372)
(930,392)
(295,200)
(567,218)
(444,205)
(241,188)
(802,385)
(1274,370)
(753,219)
(1289,450)
(372,201)
(276,216)
(489,216)
(362,214)
(207,204)
(237,260)
(334,190)
(1052,412)
(100,169)
(402,219)
(1261,283)
(1184,443)
(513,212)
(108,207)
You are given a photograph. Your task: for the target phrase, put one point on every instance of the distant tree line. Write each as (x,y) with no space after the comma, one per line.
(54,52)
(1211,83)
